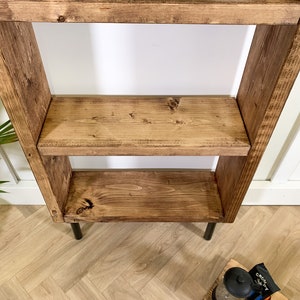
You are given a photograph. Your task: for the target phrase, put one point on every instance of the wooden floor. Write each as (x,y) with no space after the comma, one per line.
(157,261)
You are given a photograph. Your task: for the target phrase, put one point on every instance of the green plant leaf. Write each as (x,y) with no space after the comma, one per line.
(7,133)
(1,191)
(4,124)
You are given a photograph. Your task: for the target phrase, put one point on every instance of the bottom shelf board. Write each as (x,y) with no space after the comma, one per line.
(145,196)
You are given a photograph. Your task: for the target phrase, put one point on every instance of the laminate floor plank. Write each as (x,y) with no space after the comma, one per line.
(121,289)
(9,217)
(125,261)
(85,289)
(155,289)
(103,273)
(48,289)
(76,266)
(12,289)
(156,256)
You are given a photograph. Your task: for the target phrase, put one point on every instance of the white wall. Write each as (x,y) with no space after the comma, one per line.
(142,59)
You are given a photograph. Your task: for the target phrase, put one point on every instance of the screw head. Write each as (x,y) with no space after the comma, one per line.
(61,19)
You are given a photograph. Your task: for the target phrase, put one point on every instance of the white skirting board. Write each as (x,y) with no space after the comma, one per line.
(270,193)
(23,193)
(260,193)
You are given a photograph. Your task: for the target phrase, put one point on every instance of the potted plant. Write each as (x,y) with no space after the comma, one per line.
(7,135)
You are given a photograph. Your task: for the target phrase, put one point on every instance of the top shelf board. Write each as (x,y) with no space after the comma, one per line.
(132,125)
(153,11)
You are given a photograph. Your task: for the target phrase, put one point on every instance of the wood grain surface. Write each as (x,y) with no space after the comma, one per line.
(143,126)
(153,11)
(25,94)
(267,57)
(272,67)
(175,196)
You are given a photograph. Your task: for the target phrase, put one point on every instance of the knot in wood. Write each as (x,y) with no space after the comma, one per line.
(87,204)
(173,103)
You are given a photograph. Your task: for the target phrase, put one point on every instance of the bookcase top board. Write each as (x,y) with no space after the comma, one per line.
(153,11)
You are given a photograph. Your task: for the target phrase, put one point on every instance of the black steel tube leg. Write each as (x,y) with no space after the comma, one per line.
(76,230)
(210,228)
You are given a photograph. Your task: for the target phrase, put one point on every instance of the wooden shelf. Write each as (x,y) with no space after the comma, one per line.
(51,128)
(176,196)
(143,126)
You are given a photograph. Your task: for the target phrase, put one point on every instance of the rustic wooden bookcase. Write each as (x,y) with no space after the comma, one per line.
(50,128)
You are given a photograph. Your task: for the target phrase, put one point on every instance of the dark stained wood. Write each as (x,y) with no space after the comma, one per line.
(26,97)
(270,72)
(19,52)
(265,61)
(143,126)
(163,196)
(153,11)
(174,126)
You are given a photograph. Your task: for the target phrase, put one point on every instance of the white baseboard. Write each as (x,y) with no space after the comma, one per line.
(23,193)
(270,193)
(260,193)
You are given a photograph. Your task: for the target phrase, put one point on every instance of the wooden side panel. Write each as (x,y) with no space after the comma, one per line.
(152,195)
(153,11)
(265,61)
(26,97)
(19,53)
(271,69)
